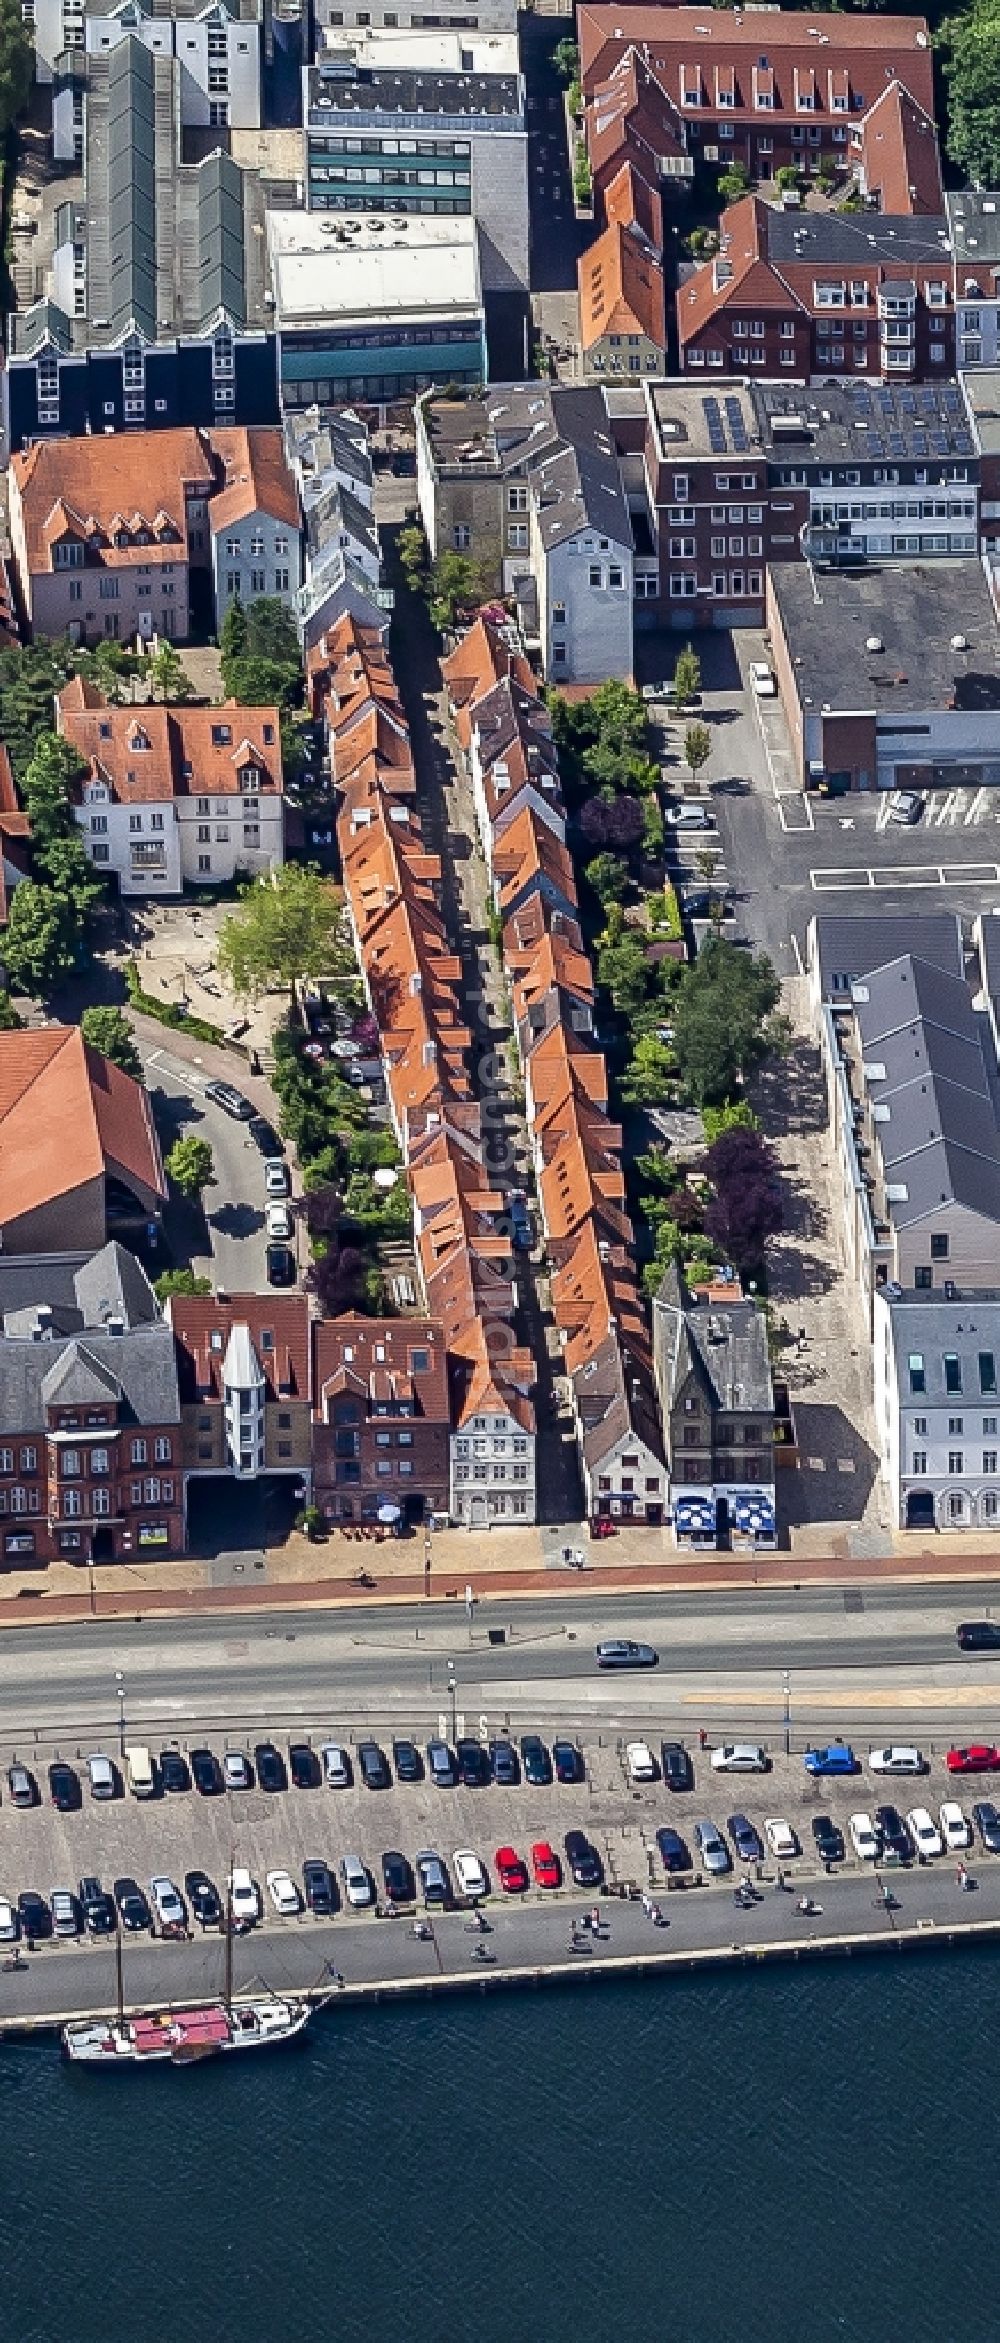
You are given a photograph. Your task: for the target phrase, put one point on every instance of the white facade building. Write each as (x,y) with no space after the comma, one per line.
(937,1407)
(493,1468)
(217,49)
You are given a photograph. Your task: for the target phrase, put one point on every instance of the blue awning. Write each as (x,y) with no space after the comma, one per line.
(692,1518)
(754,1516)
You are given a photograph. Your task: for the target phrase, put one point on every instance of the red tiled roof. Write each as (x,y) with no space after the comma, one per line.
(278,1325)
(872,48)
(152,753)
(67,1115)
(256,477)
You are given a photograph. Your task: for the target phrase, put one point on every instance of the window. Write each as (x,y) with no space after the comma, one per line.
(71,1504)
(70,1463)
(138,1452)
(939,1248)
(99,1460)
(517,500)
(517,539)
(952,1372)
(161,1451)
(987,1371)
(956,1461)
(956,1426)
(461,537)
(918,1378)
(989,1460)
(920,1460)
(923,1278)
(594,574)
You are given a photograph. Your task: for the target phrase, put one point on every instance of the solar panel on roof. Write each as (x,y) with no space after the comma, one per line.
(962,443)
(907,402)
(939,442)
(897,444)
(950,397)
(874,444)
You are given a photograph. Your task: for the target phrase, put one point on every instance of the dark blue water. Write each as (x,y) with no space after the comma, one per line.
(788,2157)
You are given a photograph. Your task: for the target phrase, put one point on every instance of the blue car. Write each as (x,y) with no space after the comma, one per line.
(838,1759)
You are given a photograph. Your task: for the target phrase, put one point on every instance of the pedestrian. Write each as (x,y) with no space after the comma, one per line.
(702,1738)
(595,1917)
(779,1881)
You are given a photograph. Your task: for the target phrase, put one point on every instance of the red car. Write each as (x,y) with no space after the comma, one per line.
(980,1759)
(512,1873)
(546,1865)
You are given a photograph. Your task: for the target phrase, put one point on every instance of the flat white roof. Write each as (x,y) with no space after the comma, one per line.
(386,49)
(348,265)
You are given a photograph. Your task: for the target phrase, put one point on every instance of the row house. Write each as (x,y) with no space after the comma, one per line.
(170,797)
(769,91)
(804,296)
(504,732)
(717,1399)
(596,1304)
(108,534)
(90,1450)
(245,1380)
(381,1422)
(462,1234)
(631,118)
(620,280)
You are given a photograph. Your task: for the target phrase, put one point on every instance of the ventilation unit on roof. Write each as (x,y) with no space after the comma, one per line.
(960,642)
(874,643)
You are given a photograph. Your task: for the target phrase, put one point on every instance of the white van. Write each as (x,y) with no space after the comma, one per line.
(139,1768)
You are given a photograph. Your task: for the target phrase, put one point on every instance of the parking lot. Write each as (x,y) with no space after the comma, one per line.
(43,1849)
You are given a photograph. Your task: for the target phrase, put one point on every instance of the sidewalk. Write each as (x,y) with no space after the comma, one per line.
(516,1565)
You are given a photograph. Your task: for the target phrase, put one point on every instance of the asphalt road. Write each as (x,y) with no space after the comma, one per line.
(850,1658)
(233,1223)
(62,1980)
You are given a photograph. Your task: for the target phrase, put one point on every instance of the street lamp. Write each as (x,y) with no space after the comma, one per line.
(453,1696)
(120,1689)
(786,1691)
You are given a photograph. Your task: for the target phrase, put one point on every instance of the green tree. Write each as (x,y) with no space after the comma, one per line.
(566,58)
(10,1022)
(17,64)
(652,828)
(65,866)
(687,676)
(263,683)
(41,939)
(646,1080)
(411,546)
(190,1166)
(286,926)
(737,1116)
(167,676)
(608,875)
(46,786)
(970,44)
(456,584)
(111,1033)
(697,747)
(733,183)
(623,970)
(180,1281)
(234,640)
(724,1021)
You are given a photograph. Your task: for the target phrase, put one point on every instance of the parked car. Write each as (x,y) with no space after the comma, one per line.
(66,1916)
(895,1760)
(504,1765)
(905,805)
(34,1915)
(978,1635)
(837,1759)
(740,1757)
(408,1762)
(284,1894)
(780,1836)
(337,1770)
(987,1822)
(828,1840)
(374,1766)
(174,1772)
(204,1898)
(356,1881)
(432,1878)
(441,1765)
(473,1764)
(674,1854)
(64,1787)
(21,1786)
(568,1761)
(277,1181)
(206,1771)
(303,1765)
(280,1265)
(746,1840)
(278,1222)
(627,1655)
(317,1880)
(676,1766)
(584,1861)
(893,1835)
(97,1907)
(265,1136)
(640,1762)
(955,1830)
(231,1101)
(979,1758)
(236,1770)
(711,1847)
(862,1836)
(761,680)
(536,1764)
(511,1871)
(688,815)
(168,1903)
(469,1873)
(10,1925)
(244,1895)
(132,1906)
(270,1766)
(924,1833)
(546,1865)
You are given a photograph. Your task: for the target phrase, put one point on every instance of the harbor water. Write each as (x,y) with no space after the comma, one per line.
(800,2152)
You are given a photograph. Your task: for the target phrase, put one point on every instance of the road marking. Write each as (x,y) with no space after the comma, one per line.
(175,1070)
(915,875)
(788,797)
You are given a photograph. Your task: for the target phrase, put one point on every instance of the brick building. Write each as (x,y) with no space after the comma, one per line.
(381,1422)
(244,1378)
(78,1146)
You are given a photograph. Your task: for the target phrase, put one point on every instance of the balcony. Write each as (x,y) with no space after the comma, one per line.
(901,301)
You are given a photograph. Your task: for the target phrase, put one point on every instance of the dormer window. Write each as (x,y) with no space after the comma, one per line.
(68,554)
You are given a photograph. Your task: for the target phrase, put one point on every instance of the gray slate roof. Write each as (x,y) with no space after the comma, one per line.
(940,1139)
(864,237)
(848,945)
(724,1344)
(80,1290)
(141,1366)
(936,1325)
